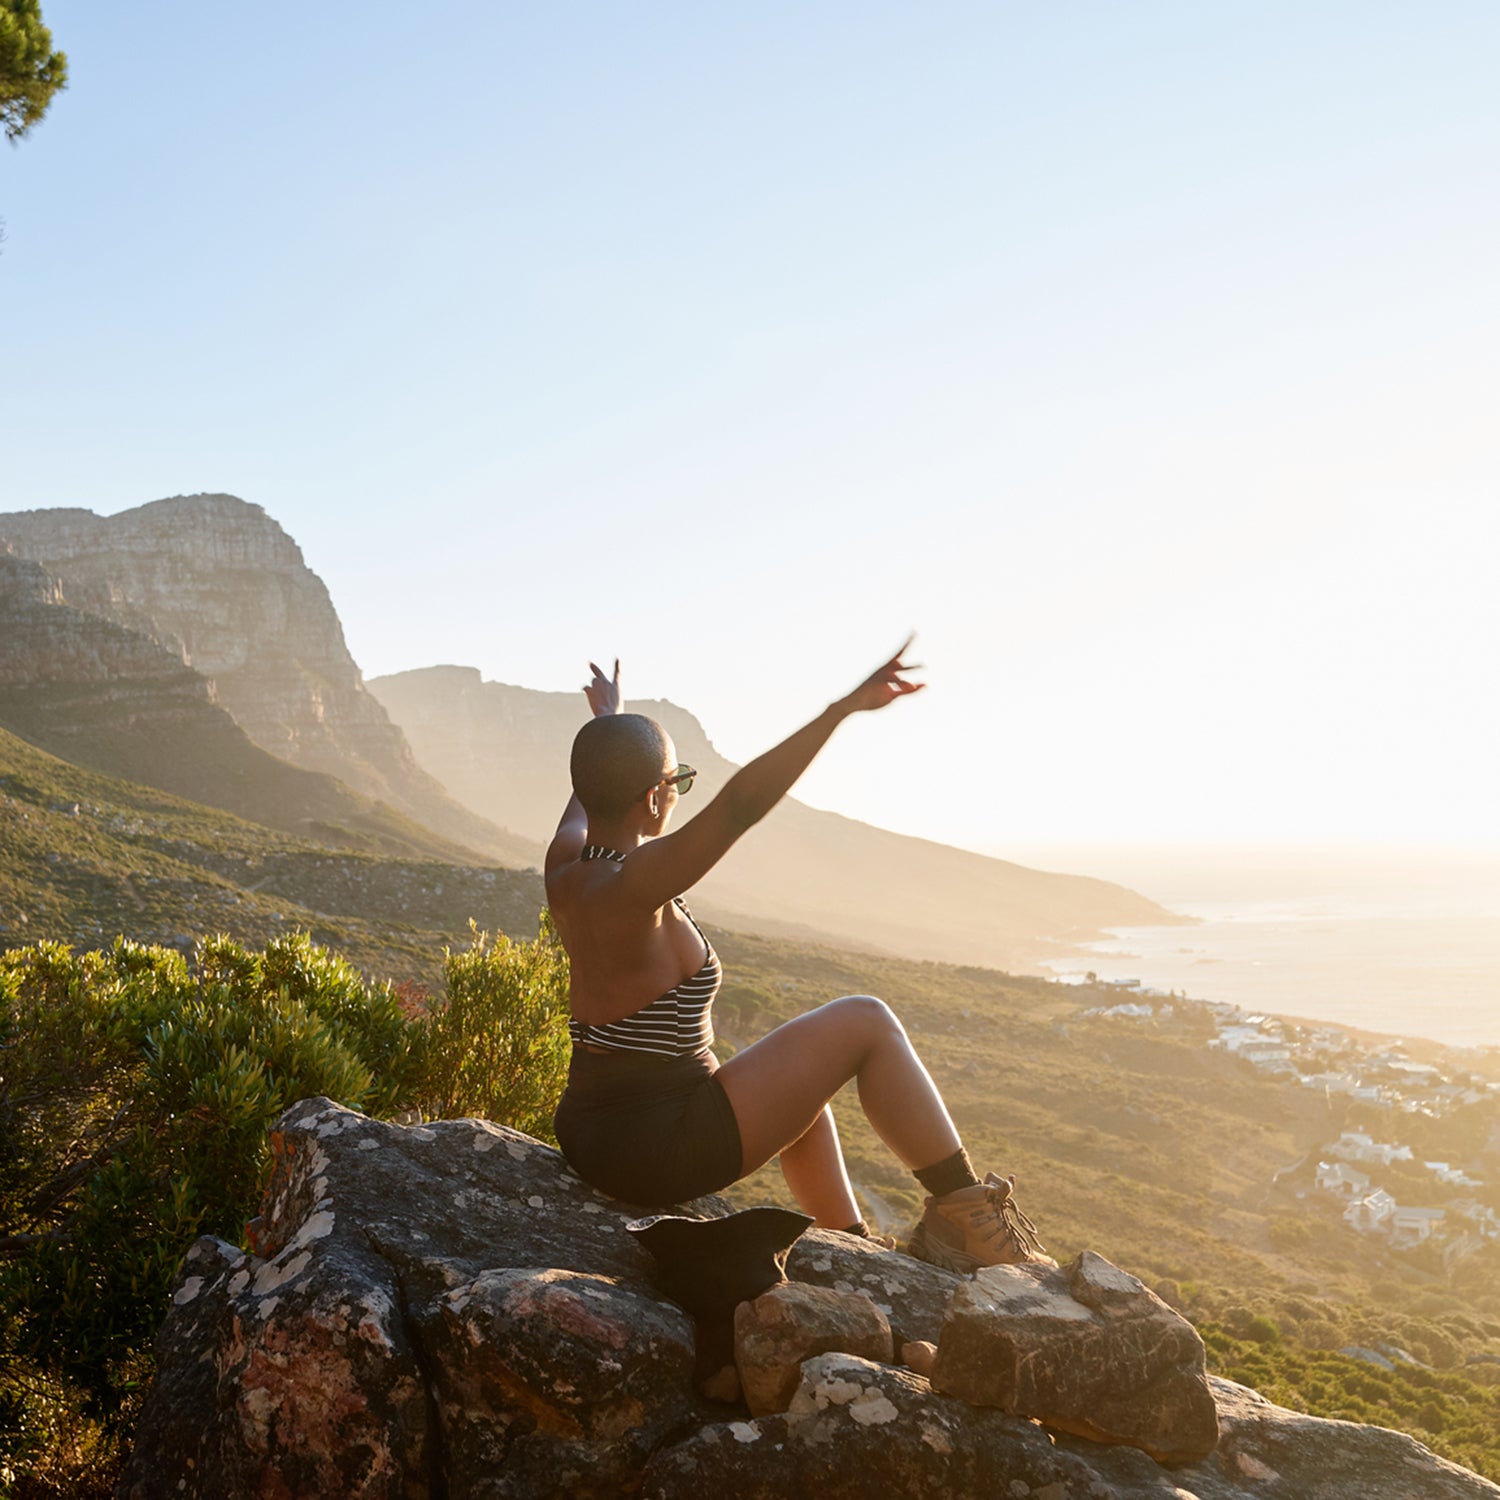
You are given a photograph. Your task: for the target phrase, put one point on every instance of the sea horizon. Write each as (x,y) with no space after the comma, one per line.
(1401,942)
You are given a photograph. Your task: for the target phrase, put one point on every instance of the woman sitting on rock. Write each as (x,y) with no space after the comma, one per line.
(649,1115)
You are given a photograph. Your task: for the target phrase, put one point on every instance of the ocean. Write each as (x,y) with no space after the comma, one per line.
(1395,940)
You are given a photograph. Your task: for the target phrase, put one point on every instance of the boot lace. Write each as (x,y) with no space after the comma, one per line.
(1007,1218)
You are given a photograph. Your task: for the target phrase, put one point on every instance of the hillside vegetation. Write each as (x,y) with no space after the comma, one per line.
(1128,1137)
(84,857)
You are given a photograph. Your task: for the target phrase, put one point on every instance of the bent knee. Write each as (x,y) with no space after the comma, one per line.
(871,1014)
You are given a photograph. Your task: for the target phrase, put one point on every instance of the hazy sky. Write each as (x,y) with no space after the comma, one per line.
(1144,357)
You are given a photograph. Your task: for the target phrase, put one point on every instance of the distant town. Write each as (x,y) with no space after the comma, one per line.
(1382,1076)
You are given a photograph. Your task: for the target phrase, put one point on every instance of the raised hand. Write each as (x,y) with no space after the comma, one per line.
(603,692)
(885,684)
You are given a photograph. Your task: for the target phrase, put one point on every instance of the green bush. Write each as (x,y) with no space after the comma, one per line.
(497,1046)
(135,1100)
(134,1104)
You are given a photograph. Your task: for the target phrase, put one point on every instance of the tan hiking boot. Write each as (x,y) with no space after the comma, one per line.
(978,1226)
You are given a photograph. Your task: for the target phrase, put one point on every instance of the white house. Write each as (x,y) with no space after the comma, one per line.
(1372,1213)
(1355,1145)
(1411,1226)
(1335,1083)
(1342,1179)
(1416,1072)
(1234,1038)
(1454,1176)
(1267,1054)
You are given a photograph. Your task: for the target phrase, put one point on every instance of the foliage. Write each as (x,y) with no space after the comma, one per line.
(84,856)
(497,1045)
(1129,1138)
(31,72)
(133,1114)
(135,1100)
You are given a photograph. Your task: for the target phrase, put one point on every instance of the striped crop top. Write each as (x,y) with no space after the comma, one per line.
(677,1024)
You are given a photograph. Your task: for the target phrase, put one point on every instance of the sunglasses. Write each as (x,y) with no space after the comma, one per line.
(681,778)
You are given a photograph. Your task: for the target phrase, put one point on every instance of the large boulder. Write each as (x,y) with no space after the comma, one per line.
(555,1382)
(1085,1348)
(446,1310)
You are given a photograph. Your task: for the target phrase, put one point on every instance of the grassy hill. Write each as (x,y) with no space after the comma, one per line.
(1135,1140)
(1129,1137)
(85,856)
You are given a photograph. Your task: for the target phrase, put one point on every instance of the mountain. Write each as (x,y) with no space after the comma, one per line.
(216,583)
(112,699)
(503,751)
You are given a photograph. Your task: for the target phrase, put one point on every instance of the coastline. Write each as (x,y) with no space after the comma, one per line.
(1434,978)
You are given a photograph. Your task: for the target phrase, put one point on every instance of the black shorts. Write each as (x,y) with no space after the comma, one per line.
(650,1130)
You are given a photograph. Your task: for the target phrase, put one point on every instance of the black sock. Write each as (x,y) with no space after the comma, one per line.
(949,1175)
(860,1230)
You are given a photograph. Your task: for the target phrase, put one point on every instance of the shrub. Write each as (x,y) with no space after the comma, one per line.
(135,1099)
(134,1104)
(497,1045)
(1262,1330)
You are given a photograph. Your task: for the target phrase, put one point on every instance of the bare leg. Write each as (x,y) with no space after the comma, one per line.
(813,1166)
(779,1086)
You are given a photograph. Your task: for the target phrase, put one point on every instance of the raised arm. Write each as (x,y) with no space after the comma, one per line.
(567,843)
(672,864)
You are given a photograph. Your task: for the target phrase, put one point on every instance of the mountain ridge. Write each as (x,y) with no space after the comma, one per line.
(218,582)
(502,749)
(208,599)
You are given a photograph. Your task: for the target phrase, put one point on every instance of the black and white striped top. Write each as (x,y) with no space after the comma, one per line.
(677,1024)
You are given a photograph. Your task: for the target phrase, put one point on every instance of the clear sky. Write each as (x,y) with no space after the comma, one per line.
(1144,357)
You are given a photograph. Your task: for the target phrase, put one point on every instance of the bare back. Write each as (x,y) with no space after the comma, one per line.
(621,956)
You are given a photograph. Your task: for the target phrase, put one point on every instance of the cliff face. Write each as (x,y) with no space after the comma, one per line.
(112,699)
(503,751)
(220,582)
(215,581)
(43,641)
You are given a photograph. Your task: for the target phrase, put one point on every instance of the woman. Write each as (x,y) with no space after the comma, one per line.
(649,1114)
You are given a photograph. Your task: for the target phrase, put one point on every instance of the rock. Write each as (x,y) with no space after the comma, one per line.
(913,1295)
(554,1382)
(1265,1450)
(1367,1356)
(311,1385)
(857,1429)
(919,1357)
(781,1328)
(444,1310)
(1086,1348)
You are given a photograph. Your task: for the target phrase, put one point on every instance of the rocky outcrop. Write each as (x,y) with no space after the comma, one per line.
(446,1310)
(218,583)
(44,643)
(114,699)
(1085,1348)
(503,751)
